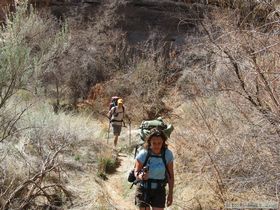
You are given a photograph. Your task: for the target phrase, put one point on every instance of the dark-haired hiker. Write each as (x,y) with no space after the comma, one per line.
(159,171)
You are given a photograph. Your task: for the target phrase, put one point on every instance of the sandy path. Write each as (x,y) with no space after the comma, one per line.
(117,187)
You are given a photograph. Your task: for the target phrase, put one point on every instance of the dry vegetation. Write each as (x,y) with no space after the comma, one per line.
(226,142)
(40,150)
(221,91)
(232,110)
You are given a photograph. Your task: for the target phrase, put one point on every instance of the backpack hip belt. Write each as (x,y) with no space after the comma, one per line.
(161,183)
(116,120)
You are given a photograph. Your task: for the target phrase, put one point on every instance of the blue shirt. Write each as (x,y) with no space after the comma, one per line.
(156,165)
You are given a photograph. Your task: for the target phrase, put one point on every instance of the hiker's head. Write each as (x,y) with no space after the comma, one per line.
(156,141)
(120,102)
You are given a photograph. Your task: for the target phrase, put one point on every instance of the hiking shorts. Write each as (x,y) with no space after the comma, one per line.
(153,197)
(117,129)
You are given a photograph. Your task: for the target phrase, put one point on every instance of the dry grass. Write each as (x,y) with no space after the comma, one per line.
(226,114)
(82,141)
(227,130)
(231,112)
(221,156)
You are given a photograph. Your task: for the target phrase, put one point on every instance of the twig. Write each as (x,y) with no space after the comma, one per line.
(37,179)
(265,48)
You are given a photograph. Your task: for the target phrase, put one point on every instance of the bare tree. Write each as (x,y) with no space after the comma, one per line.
(29,190)
(233,87)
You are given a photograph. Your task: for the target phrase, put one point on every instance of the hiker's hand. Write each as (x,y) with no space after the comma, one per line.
(143,176)
(169,199)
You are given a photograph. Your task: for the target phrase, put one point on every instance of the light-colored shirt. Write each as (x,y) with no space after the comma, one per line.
(156,165)
(117,115)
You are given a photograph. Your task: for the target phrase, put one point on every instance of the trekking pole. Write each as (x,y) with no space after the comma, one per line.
(129,132)
(108,132)
(135,153)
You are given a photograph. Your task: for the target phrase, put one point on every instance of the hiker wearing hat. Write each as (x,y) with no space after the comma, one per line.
(116,116)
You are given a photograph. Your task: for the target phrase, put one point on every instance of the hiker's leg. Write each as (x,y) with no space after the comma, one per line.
(140,199)
(117,132)
(116,140)
(158,199)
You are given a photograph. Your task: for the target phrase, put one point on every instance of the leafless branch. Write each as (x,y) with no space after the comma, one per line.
(37,181)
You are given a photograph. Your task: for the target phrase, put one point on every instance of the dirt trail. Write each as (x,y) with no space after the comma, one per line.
(111,194)
(91,192)
(117,187)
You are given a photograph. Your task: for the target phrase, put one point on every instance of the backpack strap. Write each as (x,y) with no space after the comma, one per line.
(147,157)
(162,156)
(115,108)
(167,173)
(160,182)
(164,161)
(113,112)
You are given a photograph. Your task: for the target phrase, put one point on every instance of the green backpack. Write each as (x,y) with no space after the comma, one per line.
(144,131)
(146,126)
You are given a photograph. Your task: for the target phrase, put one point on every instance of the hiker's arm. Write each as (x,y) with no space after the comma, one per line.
(170,183)
(109,115)
(137,171)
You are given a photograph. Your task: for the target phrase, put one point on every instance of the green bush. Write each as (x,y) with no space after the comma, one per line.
(27,44)
(107,165)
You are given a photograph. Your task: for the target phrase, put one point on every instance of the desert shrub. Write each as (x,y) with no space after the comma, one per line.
(19,189)
(233,123)
(26,45)
(41,152)
(226,148)
(106,165)
(28,42)
(148,87)
(96,52)
(251,12)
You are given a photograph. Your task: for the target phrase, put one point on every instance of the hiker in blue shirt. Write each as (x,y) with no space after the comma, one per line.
(154,169)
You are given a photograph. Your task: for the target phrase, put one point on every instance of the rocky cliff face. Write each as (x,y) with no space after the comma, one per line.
(137,18)
(140,18)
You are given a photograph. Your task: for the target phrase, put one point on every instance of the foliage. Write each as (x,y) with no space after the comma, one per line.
(227,136)
(26,45)
(233,88)
(107,165)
